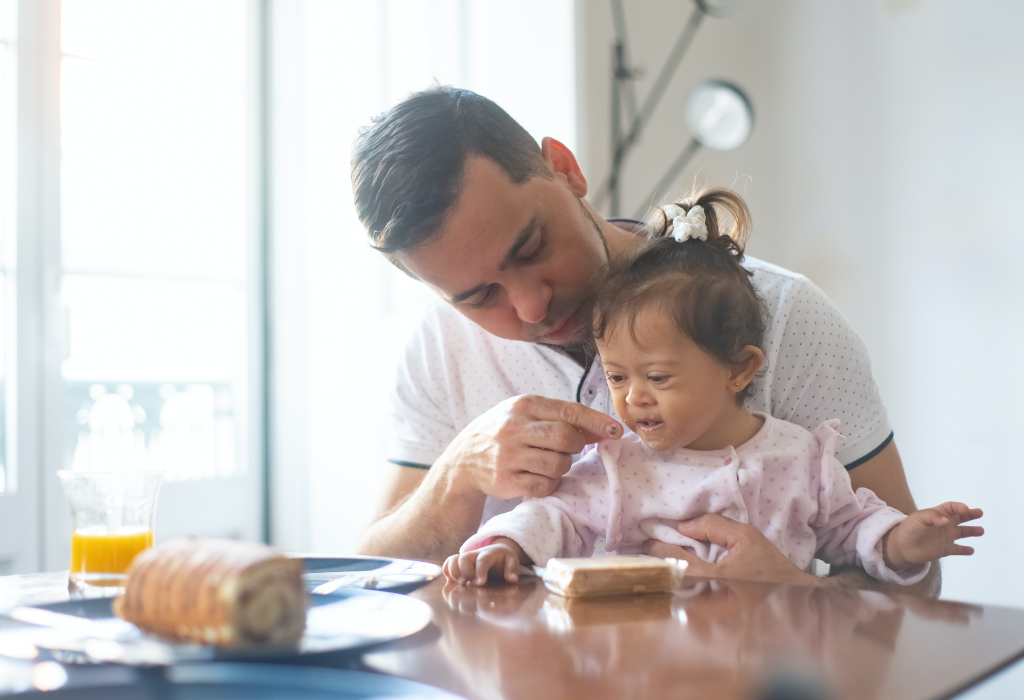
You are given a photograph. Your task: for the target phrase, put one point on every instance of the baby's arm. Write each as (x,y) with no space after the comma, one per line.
(929,534)
(564,524)
(502,554)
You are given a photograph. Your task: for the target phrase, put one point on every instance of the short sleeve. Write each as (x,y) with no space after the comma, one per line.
(819,369)
(420,425)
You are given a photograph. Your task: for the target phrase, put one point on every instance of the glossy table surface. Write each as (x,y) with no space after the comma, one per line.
(713,639)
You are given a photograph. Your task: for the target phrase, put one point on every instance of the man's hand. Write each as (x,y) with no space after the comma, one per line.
(929,534)
(523,446)
(750,555)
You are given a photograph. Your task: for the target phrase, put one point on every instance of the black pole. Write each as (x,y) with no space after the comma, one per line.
(617,152)
(622,141)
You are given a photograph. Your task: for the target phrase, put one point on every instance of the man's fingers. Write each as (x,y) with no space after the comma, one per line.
(712,527)
(557,436)
(593,424)
(663,550)
(535,485)
(545,463)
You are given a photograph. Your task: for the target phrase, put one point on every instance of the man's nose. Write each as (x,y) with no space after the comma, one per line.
(530,301)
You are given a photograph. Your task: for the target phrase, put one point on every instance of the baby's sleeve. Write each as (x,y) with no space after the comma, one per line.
(564,524)
(850,525)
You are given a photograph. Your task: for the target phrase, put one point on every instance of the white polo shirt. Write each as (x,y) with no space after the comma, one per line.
(817,368)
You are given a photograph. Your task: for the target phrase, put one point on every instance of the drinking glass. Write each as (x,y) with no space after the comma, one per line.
(111,521)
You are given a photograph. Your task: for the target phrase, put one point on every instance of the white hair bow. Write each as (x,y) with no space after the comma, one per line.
(686,225)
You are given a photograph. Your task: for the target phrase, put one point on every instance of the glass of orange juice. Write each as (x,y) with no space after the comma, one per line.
(111,521)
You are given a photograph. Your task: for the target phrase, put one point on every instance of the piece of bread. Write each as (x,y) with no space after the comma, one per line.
(578,577)
(216,592)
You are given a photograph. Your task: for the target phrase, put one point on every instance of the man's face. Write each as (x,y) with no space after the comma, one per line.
(521,261)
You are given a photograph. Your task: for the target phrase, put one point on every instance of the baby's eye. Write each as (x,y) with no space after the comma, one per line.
(657,379)
(616,378)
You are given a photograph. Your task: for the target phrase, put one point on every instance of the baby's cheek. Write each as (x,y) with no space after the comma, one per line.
(619,402)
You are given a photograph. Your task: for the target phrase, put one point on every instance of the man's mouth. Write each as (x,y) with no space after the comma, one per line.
(565,331)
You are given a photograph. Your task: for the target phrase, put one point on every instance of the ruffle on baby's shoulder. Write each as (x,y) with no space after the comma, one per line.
(828,436)
(829,439)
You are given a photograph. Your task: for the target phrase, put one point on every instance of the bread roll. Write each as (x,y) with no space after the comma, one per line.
(216,592)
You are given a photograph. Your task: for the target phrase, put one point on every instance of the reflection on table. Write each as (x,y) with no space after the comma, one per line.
(713,639)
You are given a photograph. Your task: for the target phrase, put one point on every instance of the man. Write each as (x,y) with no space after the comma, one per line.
(498,389)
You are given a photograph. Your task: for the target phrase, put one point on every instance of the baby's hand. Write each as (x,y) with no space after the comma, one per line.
(929,534)
(502,555)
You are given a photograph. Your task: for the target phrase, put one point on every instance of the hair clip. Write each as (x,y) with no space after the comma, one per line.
(686,225)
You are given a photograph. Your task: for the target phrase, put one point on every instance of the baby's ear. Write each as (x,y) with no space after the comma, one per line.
(749,362)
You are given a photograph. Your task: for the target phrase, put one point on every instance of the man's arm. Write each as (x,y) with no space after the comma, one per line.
(521,447)
(422,516)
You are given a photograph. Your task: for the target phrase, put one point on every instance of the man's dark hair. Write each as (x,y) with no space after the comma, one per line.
(407,165)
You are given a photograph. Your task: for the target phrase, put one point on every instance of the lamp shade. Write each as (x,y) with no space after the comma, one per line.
(718,115)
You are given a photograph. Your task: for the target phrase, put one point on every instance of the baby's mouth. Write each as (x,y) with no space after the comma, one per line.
(648,424)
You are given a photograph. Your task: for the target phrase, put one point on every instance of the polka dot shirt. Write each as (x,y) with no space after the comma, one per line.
(452,371)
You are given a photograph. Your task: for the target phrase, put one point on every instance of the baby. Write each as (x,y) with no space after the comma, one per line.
(680,328)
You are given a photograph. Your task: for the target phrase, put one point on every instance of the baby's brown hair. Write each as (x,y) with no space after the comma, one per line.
(700,284)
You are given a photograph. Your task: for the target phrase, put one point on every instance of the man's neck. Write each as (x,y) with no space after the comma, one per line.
(620,235)
(582,354)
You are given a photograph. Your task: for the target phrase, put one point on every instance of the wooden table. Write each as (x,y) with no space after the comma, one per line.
(718,639)
(714,640)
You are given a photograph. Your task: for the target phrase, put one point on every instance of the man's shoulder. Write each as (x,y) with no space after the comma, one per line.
(768,274)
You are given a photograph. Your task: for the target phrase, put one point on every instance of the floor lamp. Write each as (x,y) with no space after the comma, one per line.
(717,114)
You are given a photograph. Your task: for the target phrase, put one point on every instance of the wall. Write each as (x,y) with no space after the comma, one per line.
(885,164)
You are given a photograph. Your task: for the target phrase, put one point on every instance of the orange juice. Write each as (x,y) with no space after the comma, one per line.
(107,551)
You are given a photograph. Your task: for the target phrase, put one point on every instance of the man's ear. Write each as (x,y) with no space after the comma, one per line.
(562,162)
(745,370)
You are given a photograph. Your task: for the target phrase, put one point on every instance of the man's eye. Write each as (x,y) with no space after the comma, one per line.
(535,253)
(482,298)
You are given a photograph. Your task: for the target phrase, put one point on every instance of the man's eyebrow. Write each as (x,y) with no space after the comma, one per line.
(521,239)
(510,257)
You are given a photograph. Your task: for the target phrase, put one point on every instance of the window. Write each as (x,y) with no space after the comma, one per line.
(130,178)
(154,235)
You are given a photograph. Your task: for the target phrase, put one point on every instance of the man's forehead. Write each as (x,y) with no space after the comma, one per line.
(488,220)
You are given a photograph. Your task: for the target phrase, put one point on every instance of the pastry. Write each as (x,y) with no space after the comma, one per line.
(216,592)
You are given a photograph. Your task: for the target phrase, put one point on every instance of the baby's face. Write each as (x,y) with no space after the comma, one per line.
(666,389)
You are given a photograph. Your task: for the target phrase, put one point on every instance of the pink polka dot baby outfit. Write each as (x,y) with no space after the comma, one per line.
(785,481)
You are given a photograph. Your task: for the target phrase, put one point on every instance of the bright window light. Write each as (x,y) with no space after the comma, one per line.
(154,223)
